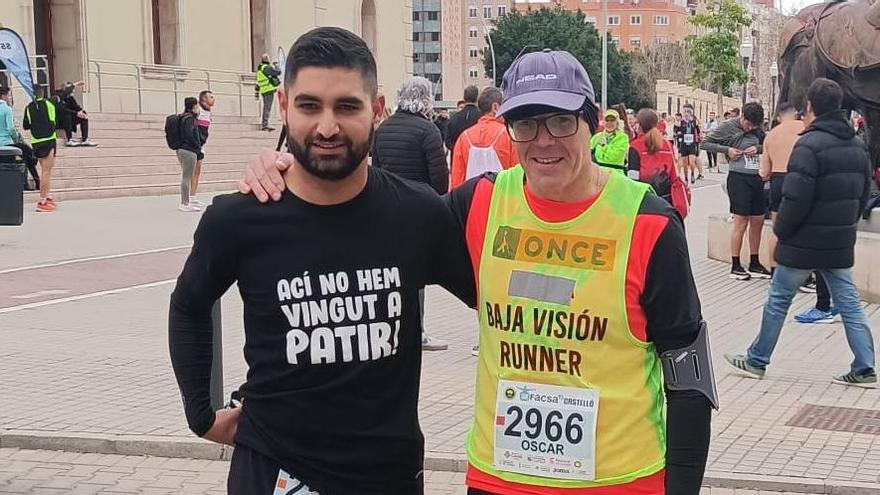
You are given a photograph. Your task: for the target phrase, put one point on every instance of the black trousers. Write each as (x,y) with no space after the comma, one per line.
(713,159)
(70,127)
(823,295)
(30,162)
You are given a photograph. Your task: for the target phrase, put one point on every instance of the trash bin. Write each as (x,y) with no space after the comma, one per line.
(11,186)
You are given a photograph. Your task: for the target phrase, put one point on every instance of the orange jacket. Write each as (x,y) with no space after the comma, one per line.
(486,130)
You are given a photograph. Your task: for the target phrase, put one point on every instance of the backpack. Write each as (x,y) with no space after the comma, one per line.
(652,170)
(172,130)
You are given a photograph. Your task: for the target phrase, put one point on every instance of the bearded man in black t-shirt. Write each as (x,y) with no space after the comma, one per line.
(329,276)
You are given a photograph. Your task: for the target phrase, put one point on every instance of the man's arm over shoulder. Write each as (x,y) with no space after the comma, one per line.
(450,265)
(207,274)
(672,309)
(798,190)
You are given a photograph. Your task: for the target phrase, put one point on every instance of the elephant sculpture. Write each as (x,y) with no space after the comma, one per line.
(839,40)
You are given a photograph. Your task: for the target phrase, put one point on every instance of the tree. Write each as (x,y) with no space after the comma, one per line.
(558,29)
(714,54)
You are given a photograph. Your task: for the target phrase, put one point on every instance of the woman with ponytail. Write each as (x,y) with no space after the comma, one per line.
(652,160)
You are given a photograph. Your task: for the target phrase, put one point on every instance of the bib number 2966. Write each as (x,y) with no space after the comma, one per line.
(546,430)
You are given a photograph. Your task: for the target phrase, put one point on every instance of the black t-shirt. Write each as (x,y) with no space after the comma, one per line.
(332,326)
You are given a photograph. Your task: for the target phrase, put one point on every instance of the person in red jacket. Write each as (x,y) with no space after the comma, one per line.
(652,160)
(485,146)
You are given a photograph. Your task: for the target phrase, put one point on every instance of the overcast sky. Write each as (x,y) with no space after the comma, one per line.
(790,6)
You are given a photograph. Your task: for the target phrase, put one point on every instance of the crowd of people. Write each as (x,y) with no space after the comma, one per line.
(43,117)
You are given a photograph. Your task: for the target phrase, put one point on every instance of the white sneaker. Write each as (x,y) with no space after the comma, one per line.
(431,344)
(88,142)
(189,208)
(196,202)
(72,143)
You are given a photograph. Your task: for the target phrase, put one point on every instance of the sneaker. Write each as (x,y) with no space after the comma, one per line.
(809,287)
(72,143)
(188,208)
(863,380)
(44,206)
(196,202)
(432,344)
(88,143)
(739,363)
(739,273)
(268,129)
(700,177)
(475,350)
(815,316)
(759,271)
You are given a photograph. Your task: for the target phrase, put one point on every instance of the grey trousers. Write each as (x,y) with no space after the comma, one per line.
(187,161)
(268,98)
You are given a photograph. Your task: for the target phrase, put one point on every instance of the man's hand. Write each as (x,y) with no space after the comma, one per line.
(751,151)
(224,427)
(734,153)
(262,177)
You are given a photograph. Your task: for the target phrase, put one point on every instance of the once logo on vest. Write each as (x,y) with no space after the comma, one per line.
(533,246)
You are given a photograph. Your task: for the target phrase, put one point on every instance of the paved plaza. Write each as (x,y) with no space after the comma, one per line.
(84,355)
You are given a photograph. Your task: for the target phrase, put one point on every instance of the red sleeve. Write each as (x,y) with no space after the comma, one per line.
(477,220)
(458,172)
(646,231)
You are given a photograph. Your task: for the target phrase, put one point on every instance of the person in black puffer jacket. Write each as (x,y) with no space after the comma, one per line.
(825,190)
(408,143)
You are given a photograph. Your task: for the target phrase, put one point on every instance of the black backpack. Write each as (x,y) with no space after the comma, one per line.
(172,130)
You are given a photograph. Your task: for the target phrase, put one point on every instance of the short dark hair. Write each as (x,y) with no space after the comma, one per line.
(487,98)
(471,93)
(727,114)
(786,107)
(205,93)
(39,92)
(3,91)
(189,103)
(331,47)
(825,96)
(753,112)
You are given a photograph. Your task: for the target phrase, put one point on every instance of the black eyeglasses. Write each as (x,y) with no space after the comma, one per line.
(560,125)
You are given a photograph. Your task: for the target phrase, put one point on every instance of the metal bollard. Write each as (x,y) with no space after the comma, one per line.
(217,399)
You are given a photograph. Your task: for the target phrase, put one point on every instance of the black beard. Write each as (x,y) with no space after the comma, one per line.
(334,169)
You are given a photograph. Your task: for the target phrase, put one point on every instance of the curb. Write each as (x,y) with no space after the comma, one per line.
(194,448)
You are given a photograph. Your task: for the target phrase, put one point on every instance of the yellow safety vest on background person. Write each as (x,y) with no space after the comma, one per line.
(38,124)
(264,85)
(566,396)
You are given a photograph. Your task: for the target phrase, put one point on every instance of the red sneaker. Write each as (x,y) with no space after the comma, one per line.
(45,207)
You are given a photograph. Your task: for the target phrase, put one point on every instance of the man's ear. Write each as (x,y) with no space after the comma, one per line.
(378,108)
(282,103)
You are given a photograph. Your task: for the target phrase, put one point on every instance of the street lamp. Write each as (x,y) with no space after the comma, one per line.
(774,76)
(604,55)
(491,48)
(745,51)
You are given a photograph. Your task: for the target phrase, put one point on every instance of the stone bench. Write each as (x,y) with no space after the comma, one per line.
(866,271)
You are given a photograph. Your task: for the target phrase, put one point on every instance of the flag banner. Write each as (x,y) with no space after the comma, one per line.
(14,56)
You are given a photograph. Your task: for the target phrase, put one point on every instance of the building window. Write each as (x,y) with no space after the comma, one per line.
(613,20)
(661,20)
(166,26)
(473,33)
(635,20)
(417,57)
(615,40)
(417,16)
(487,12)
(432,16)
(661,39)
(502,10)
(435,36)
(473,73)
(635,41)
(590,20)
(473,52)
(472,12)
(416,36)
(432,57)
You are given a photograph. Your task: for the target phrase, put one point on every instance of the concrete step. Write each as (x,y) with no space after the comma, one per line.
(136,190)
(136,135)
(152,168)
(156,117)
(119,156)
(138,179)
(159,143)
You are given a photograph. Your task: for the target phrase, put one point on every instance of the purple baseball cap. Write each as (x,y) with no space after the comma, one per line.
(548,78)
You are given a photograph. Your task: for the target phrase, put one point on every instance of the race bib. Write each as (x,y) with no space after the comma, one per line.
(753,162)
(688,139)
(546,430)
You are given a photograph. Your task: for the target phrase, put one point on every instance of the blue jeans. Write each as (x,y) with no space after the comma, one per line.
(783,288)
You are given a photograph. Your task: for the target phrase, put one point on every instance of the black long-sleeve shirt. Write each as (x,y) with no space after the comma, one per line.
(190,138)
(332,326)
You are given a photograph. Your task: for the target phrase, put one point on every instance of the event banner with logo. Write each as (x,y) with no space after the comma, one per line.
(14,56)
